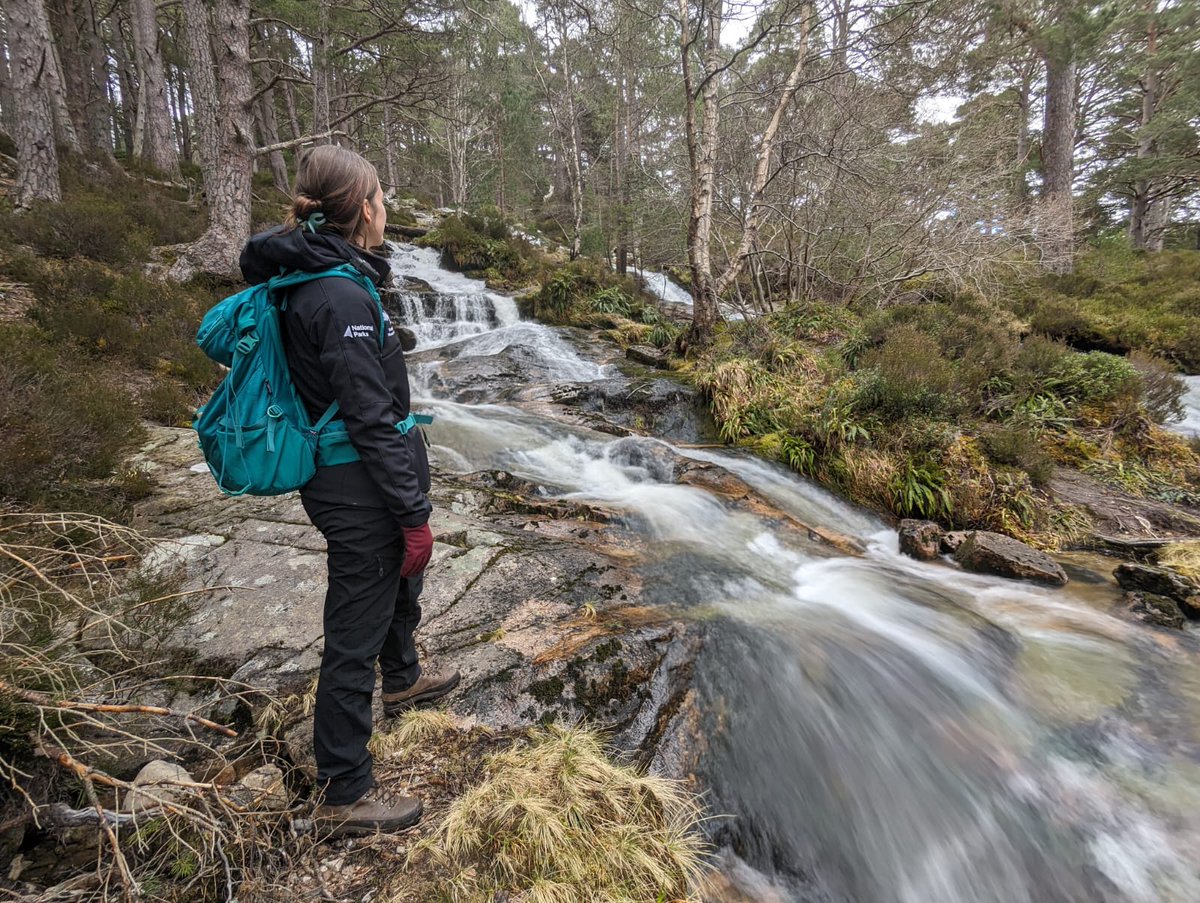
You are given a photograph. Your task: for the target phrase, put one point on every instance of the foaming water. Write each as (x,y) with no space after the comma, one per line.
(1190,425)
(463,318)
(897,731)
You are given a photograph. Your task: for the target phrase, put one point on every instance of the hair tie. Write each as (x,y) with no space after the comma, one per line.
(315,221)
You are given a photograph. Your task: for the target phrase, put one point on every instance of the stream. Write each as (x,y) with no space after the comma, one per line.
(876,730)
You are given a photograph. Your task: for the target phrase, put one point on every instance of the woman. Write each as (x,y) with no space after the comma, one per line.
(373,512)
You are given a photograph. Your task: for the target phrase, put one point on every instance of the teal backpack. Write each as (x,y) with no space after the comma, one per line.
(255,431)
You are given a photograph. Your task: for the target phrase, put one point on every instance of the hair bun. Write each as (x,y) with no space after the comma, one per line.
(303,207)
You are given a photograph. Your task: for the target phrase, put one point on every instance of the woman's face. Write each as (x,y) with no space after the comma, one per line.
(374,218)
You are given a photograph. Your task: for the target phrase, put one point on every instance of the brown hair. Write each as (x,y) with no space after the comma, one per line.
(334,182)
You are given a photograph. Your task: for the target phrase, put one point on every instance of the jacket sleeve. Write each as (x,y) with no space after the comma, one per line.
(345,330)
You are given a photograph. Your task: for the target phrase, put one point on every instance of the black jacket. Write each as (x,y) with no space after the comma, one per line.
(331,336)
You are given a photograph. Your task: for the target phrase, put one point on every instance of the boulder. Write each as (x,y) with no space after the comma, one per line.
(1158,611)
(157,783)
(649,356)
(261,789)
(952,540)
(920,539)
(993,553)
(1160,581)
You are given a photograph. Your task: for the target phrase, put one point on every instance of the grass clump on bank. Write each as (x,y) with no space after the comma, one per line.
(555,821)
(948,410)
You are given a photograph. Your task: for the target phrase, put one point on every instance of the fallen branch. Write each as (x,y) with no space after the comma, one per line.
(296,142)
(42,700)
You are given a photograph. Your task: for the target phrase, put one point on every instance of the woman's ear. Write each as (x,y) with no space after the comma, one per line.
(367,211)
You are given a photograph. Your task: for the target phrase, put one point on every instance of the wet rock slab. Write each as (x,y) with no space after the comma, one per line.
(519,596)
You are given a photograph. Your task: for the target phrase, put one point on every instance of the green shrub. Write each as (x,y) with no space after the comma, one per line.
(473,243)
(1118,301)
(1017,445)
(907,375)
(98,228)
(146,322)
(64,420)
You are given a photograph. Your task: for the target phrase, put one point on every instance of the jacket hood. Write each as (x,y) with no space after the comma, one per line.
(279,248)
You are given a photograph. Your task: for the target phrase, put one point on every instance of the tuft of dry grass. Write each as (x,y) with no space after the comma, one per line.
(556,821)
(1183,557)
(413,727)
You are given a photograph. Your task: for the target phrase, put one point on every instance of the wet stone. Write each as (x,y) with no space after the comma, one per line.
(992,553)
(1159,611)
(920,539)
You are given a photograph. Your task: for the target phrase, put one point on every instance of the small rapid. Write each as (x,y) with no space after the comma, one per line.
(876,729)
(1190,424)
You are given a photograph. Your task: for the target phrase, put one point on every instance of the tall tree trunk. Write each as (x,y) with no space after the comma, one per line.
(185,121)
(126,81)
(762,168)
(268,128)
(66,33)
(322,115)
(64,125)
(289,102)
(702,150)
(389,146)
(158,140)
(1139,207)
(621,137)
(1058,160)
(8,114)
(225,131)
(1020,184)
(37,157)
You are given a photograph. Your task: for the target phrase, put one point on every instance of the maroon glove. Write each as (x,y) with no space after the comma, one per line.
(418,546)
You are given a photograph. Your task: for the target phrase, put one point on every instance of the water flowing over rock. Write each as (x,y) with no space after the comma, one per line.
(866,728)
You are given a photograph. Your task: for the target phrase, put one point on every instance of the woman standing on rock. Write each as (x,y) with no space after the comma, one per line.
(373,511)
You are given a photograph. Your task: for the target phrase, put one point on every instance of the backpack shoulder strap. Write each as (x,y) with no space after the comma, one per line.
(288,280)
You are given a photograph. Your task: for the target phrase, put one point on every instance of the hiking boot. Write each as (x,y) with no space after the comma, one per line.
(378,810)
(430,685)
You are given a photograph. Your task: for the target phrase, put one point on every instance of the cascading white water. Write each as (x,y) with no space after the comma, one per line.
(1190,425)
(662,286)
(903,732)
(463,311)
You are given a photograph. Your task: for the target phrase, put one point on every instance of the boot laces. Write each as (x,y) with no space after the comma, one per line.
(388,796)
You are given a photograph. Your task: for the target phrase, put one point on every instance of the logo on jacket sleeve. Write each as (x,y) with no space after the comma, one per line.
(357,331)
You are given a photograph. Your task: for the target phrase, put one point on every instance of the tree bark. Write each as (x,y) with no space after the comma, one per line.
(158,140)
(127,82)
(322,116)
(37,157)
(225,130)
(1058,160)
(66,31)
(7,103)
(702,149)
(64,125)
(268,128)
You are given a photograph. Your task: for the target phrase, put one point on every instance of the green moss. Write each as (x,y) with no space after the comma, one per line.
(549,691)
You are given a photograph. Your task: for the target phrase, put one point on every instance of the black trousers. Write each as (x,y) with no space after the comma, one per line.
(370,615)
